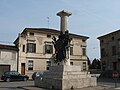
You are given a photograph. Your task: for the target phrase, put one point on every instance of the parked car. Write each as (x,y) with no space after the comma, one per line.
(37,74)
(13,76)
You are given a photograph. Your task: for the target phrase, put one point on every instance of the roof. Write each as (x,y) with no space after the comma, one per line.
(8,47)
(108,34)
(48,30)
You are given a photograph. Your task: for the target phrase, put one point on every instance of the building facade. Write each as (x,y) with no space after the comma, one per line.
(36,50)
(8,58)
(110,51)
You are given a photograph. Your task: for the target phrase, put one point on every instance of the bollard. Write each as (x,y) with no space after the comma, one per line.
(116,82)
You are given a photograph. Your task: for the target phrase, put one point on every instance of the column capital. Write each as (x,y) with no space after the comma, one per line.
(64,13)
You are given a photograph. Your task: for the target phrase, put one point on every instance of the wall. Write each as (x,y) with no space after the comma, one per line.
(8,57)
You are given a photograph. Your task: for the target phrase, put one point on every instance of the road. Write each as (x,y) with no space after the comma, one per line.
(103,84)
(109,82)
(18,85)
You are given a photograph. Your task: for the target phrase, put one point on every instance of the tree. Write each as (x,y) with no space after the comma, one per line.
(95,64)
(89,62)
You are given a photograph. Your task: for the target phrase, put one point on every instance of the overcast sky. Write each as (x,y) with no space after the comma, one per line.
(91,18)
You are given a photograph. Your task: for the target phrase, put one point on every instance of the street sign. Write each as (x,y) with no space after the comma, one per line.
(115,74)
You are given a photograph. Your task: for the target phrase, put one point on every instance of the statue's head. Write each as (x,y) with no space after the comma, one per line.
(66,31)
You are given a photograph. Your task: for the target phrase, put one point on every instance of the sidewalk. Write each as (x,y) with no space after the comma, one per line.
(31,88)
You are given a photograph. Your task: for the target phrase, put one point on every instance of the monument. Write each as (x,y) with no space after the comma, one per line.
(63,76)
(62,45)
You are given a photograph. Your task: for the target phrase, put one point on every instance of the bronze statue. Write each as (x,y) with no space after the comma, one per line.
(61,45)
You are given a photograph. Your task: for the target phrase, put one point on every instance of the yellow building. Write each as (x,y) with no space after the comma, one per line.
(36,50)
(110,51)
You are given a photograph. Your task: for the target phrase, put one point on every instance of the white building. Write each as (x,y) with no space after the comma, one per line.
(8,58)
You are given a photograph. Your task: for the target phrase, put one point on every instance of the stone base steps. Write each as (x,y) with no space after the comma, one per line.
(65,77)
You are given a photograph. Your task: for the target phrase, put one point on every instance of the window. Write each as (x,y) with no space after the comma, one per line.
(112,38)
(71,50)
(7,73)
(84,65)
(71,63)
(48,64)
(119,52)
(31,34)
(83,40)
(16,73)
(48,49)
(114,66)
(103,52)
(84,51)
(119,43)
(119,47)
(23,49)
(30,65)
(49,36)
(102,41)
(31,47)
(113,50)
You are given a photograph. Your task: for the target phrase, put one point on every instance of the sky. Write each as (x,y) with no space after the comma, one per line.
(92,18)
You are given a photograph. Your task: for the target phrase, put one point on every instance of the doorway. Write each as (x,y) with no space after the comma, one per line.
(4,68)
(22,68)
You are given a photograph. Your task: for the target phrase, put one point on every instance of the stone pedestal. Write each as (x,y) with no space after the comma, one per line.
(65,77)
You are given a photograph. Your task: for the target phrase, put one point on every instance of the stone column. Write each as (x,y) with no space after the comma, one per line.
(63,28)
(64,20)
